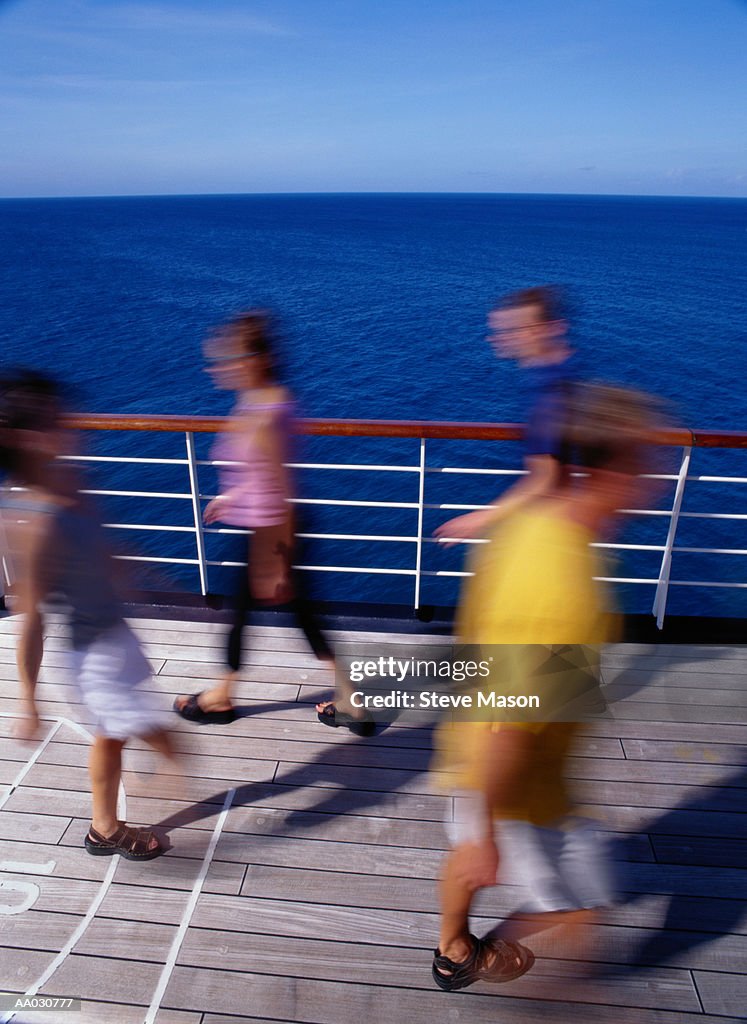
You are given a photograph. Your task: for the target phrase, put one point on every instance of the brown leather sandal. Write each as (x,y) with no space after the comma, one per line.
(509,961)
(129,842)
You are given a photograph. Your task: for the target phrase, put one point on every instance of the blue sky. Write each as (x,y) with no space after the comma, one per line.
(111,97)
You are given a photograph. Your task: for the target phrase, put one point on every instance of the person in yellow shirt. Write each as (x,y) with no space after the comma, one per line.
(534,602)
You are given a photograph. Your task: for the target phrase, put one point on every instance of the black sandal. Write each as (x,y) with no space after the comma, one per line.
(129,842)
(475,968)
(360,726)
(192,712)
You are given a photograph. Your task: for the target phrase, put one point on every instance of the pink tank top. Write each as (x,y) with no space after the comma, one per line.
(256,492)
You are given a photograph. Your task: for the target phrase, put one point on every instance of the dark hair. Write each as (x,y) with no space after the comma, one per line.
(550,298)
(256,332)
(28,401)
(253,333)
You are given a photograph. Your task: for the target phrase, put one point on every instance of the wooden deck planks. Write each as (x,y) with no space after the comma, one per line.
(319,904)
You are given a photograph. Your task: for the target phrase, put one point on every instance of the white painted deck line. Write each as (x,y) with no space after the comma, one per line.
(31,761)
(176,945)
(106,882)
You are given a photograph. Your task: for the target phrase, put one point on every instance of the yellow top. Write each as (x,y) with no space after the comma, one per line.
(534,584)
(533,593)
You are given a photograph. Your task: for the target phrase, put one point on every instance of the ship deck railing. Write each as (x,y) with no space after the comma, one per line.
(415,476)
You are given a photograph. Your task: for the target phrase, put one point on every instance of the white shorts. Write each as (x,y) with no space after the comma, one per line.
(564,867)
(108,672)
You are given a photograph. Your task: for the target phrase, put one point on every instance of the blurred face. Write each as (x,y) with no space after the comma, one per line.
(41,444)
(231,367)
(521,333)
(617,489)
(620,485)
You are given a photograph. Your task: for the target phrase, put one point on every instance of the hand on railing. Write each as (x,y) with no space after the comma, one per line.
(213,510)
(466,527)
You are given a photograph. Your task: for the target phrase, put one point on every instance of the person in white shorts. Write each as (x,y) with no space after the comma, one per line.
(534,608)
(59,548)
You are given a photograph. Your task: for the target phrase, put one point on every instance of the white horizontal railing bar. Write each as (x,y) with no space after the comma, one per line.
(135,460)
(610,545)
(456,540)
(626,547)
(355,568)
(446,572)
(599,579)
(698,583)
(713,515)
(139,460)
(364,466)
(645,512)
(713,551)
(457,508)
(144,526)
(718,479)
(339,503)
(150,558)
(623,511)
(622,579)
(360,504)
(524,472)
(139,494)
(384,538)
(356,536)
(326,568)
(428,540)
(476,472)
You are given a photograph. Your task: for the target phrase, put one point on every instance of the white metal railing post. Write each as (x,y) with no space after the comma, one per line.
(421,506)
(194,487)
(662,586)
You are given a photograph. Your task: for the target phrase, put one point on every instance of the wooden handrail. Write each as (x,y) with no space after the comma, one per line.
(385,428)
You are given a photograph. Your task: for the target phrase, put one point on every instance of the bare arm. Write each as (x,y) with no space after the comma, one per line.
(542,475)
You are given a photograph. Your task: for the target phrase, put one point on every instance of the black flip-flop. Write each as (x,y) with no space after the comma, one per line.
(360,726)
(192,712)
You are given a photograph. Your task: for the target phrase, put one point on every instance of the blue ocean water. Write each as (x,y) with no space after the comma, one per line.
(383,301)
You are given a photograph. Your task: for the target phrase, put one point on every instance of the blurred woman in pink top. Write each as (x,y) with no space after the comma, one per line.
(255,492)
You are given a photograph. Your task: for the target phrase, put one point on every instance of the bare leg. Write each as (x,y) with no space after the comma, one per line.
(456,899)
(468,868)
(571,936)
(161,742)
(343,689)
(105,770)
(217,698)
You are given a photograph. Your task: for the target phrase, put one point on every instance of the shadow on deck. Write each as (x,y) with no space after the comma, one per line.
(312,898)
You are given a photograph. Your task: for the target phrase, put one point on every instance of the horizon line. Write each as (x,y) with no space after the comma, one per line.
(389,192)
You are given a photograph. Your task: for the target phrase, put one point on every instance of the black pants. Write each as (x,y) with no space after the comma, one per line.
(298,606)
